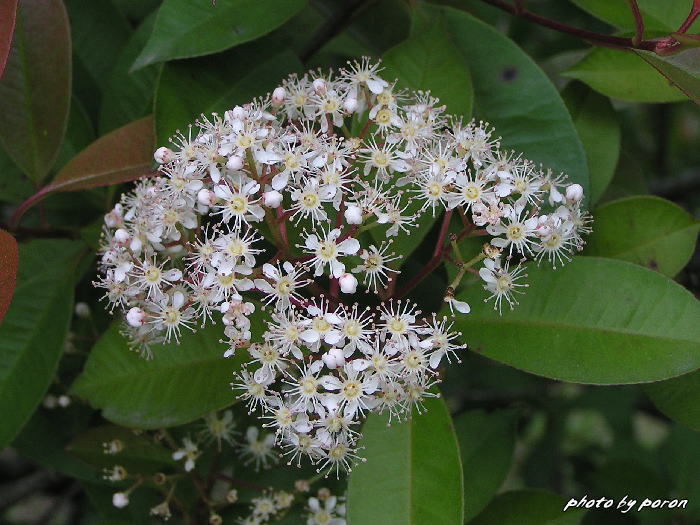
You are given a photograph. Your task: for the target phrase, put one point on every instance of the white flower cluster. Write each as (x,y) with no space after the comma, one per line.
(274,198)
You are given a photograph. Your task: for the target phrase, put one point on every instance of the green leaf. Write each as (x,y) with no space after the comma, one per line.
(34,328)
(678,398)
(405,480)
(486,442)
(516,97)
(189,88)
(35,88)
(186,29)
(663,17)
(528,507)
(623,75)
(79,133)
(183,382)
(649,231)
(595,320)
(599,130)
(9,259)
(129,96)
(682,70)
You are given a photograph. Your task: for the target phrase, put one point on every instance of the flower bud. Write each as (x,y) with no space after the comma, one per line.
(206,197)
(319,86)
(350,105)
(278,96)
(574,192)
(163,155)
(63,401)
(120,499)
(82,310)
(136,317)
(272,199)
(232,496)
(334,358)
(238,112)
(121,236)
(353,214)
(348,283)
(235,163)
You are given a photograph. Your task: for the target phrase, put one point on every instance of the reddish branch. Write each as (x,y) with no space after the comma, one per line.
(694,12)
(638,22)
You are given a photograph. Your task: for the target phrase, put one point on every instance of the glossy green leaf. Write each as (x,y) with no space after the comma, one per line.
(35,88)
(79,134)
(406,480)
(182,383)
(189,88)
(528,507)
(516,97)
(34,328)
(663,17)
(9,259)
(599,130)
(623,75)
(186,29)
(486,443)
(682,70)
(647,230)
(593,320)
(678,398)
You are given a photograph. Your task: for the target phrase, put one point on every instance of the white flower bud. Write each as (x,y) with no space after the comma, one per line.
(348,283)
(63,401)
(120,499)
(163,155)
(319,86)
(238,112)
(121,236)
(334,358)
(235,163)
(574,192)
(353,214)
(272,199)
(82,310)
(278,96)
(136,317)
(350,105)
(206,197)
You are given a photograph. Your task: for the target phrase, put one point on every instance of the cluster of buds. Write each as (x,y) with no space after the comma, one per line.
(275,200)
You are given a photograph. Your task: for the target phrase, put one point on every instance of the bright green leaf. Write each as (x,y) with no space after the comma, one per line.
(486,443)
(528,507)
(682,70)
(623,75)
(34,328)
(594,320)
(645,230)
(186,29)
(599,131)
(35,88)
(406,480)
(678,398)
(663,17)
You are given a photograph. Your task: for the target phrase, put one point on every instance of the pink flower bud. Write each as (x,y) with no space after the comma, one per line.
(120,499)
(348,283)
(163,155)
(206,197)
(121,236)
(353,214)
(278,96)
(272,199)
(574,192)
(136,317)
(235,163)
(334,358)
(319,86)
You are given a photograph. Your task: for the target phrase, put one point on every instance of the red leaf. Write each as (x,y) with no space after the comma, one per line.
(8,8)
(9,259)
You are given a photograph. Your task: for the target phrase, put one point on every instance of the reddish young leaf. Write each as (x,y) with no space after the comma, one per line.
(35,87)
(8,8)
(9,259)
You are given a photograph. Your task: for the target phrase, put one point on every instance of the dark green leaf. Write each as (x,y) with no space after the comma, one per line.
(79,134)
(528,507)
(186,29)
(486,443)
(35,89)
(645,230)
(678,398)
(405,480)
(34,329)
(682,70)
(594,320)
(599,131)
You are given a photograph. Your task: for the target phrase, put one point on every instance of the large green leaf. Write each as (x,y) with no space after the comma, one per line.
(515,95)
(682,70)
(623,75)
(486,443)
(189,88)
(645,230)
(594,320)
(183,382)
(186,29)
(34,328)
(599,131)
(528,507)
(678,398)
(35,88)
(406,480)
(664,17)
